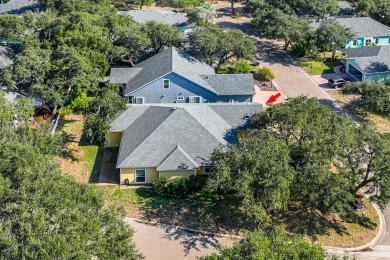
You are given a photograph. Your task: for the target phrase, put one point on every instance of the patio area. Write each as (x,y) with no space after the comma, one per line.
(108,173)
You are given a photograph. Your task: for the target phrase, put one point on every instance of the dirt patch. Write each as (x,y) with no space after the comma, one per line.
(349,103)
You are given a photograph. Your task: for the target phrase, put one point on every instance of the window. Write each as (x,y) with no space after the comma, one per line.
(131,100)
(354,42)
(180,98)
(140,176)
(368,42)
(139,100)
(377,41)
(166,84)
(389,40)
(195,99)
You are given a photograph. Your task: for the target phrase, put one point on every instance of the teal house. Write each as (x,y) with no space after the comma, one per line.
(368,63)
(367,55)
(368,32)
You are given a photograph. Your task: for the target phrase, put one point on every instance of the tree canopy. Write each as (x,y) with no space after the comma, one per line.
(45,214)
(218,45)
(269,245)
(301,152)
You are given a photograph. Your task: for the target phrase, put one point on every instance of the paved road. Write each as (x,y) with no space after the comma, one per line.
(165,242)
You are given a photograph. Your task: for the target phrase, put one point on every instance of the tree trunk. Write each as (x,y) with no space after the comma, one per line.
(140,6)
(232,6)
(54,111)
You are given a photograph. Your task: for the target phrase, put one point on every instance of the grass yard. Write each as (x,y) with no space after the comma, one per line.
(381,122)
(79,159)
(316,65)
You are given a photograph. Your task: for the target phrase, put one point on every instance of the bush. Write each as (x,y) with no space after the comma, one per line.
(298,50)
(96,130)
(237,68)
(265,74)
(177,188)
(81,103)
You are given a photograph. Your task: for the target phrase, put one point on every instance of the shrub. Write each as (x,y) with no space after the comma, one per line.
(81,103)
(177,188)
(298,50)
(265,74)
(239,67)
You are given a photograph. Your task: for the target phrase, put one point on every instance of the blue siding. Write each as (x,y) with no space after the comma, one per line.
(382,40)
(179,86)
(377,77)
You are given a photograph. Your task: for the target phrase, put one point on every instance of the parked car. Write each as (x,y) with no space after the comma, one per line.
(336,82)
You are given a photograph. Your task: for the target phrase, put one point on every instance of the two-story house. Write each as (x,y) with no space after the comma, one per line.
(368,32)
(173,76)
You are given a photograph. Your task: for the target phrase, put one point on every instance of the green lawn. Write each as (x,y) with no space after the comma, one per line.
(319,67)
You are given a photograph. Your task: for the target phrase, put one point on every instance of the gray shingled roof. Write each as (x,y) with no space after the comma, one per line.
(379,61)
(178,160)
(231,84)
(360,26)
(162,16)
(169,135)
(123,75)
(20,6)
(6,57)
(183,64)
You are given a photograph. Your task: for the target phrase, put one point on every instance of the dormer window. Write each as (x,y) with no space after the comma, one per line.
(166,84)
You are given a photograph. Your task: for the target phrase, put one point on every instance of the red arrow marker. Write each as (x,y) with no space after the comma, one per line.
(273,98)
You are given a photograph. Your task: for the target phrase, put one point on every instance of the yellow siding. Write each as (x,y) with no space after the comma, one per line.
(114,139)
(129,173)
(170,175)
(200,171)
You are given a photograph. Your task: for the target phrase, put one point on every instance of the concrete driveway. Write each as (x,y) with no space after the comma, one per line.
(167,242)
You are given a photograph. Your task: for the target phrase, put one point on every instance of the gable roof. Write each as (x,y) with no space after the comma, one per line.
(371,59)
(167,135)
(19,6)
(161,16)
(186,66)
(360,26)
(178,159)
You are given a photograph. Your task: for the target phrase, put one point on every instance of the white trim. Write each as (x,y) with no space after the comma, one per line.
(143,100)
(191,99)
(135,175)
(169,84)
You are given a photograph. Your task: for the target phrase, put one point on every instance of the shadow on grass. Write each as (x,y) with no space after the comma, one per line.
(68,138)
(306,222)
(97,166)
(204,211)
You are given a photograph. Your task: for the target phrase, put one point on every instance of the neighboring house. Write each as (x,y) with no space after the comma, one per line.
(20,6)
(173,76)
(174,140)
(178,20)
(367,31)
(369,63)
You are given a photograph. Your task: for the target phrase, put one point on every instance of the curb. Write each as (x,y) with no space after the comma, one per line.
(377,239)
(189,230)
